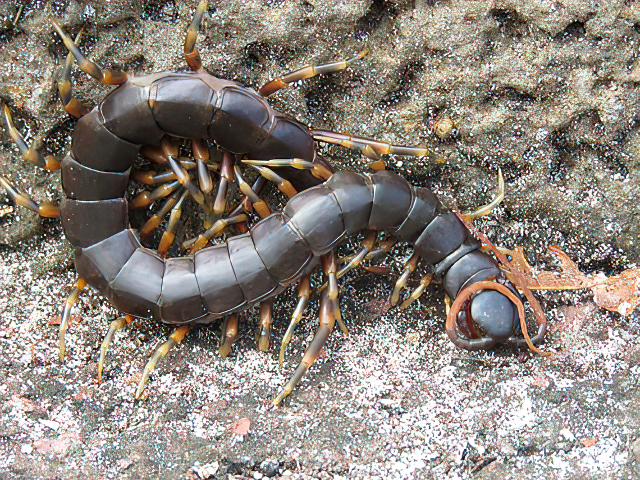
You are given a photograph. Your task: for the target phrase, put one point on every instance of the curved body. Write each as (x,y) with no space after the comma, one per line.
(95,175)
(255,266)
(226,278)
(140,116)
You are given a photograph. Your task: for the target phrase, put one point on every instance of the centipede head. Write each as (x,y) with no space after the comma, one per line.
(487,313)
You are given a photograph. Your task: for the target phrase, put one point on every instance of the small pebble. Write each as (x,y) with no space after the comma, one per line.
(442,127)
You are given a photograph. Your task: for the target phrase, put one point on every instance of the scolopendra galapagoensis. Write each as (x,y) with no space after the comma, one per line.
(221,280)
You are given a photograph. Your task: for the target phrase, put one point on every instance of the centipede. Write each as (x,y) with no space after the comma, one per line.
(140,132)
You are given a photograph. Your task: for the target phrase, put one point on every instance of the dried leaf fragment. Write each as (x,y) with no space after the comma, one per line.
(72,320)
(241,427)
(588,442)
(618,293)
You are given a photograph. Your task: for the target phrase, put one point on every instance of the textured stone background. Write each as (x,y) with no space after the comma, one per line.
(547,91)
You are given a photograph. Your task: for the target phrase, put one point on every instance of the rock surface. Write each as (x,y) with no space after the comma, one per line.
(546,91)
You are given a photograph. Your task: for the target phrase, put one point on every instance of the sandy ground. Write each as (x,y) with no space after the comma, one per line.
(545,91)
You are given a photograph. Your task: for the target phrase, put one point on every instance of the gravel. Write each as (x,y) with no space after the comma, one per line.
(546,91)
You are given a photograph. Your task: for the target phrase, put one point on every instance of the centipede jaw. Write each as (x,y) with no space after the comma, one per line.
(515,278)
(501,325)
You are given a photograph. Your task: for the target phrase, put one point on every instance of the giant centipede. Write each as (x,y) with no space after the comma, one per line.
(144,115)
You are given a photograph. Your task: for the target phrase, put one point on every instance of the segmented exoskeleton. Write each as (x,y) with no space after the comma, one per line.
(221,280)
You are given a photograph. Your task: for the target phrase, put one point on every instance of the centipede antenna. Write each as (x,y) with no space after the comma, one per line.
(201,154)
(308,71)
(169,234)
(418,291)
(176,337)
(229,334)
(108,77)
(409,267)
(259,205)
(266,319)
(369,147)
(65,87)
(226,176)
(44,209)
(326,324)
(489,207)
(65,318)
(113,328)
(30,154)
(329,262)
(146,198)
(191,54)
(304,292)
(317,170)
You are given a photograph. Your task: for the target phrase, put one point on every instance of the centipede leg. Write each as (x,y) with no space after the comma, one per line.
(355,260)
(153,177)
(317,170)
(169,234)
(266,319)
(65,88)
(146,198)
(259,205)
(169,153)
(201,241)
(201,154)
(108,77)
(185,181)
(419,290)
(383,248)
(327,322)
(226,176)
(367,245)
(283,185)
(176,337)
(113,328)
(304,292)
(158,153)
(44,209)
(488,208)
(329,264)
(246,205)
(369,147)
(191,54)
(308,71)
(229,334)
(156,219)
(409,267)
(30,154)
(65,318)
